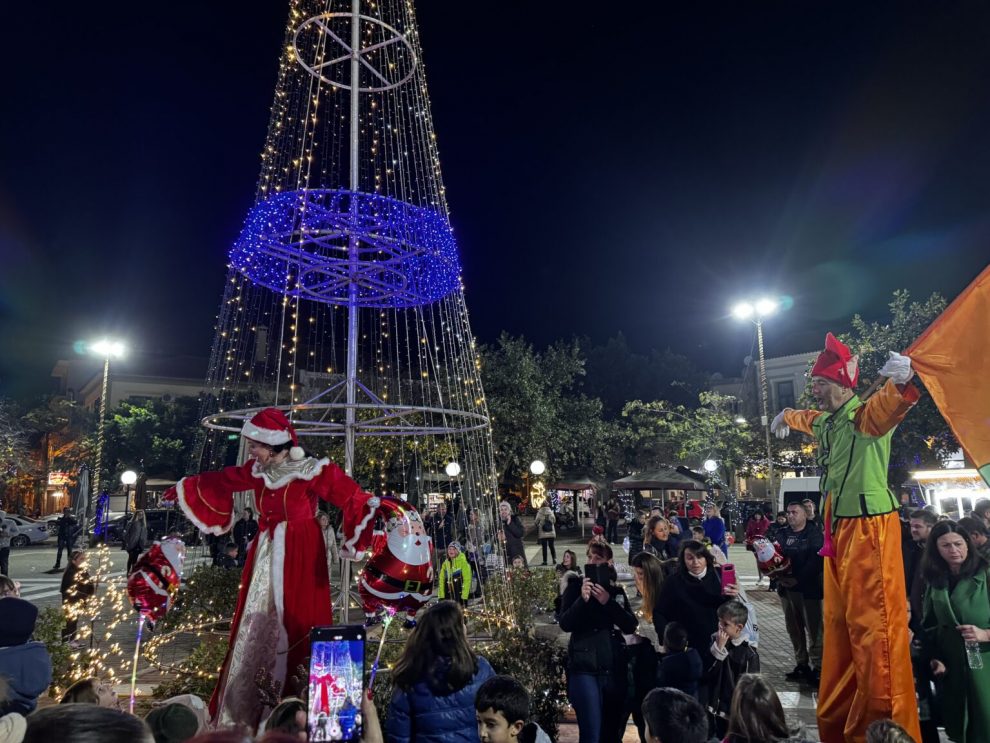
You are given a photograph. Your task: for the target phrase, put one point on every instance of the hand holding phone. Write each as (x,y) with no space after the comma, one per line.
(729,579)
(336,683)
(597,574)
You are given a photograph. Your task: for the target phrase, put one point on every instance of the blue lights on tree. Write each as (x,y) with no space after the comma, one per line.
(299,243)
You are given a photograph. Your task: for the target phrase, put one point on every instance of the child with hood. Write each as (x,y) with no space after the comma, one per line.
(25,664)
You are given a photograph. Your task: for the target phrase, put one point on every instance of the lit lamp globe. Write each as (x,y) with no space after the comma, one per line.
(129,477)
(710,465)
(453,469)
(537,467)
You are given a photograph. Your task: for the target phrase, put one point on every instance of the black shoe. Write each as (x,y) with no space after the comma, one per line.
(814,677)
(543,564)
(801,671)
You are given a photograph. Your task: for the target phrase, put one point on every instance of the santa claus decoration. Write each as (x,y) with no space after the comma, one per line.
(768,557)
(285,590)
(399,574)
(156,578)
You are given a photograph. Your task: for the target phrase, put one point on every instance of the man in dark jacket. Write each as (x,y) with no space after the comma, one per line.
(67,528)
(25,664)
(244,531)
(77,586)
(800,591)
(920,523)
(441,530)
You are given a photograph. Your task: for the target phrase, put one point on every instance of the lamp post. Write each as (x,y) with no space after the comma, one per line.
(756,311)
(128,478)
(106,349)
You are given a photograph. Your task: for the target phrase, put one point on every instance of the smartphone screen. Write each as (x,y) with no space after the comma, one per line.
(728,575)
(336,683)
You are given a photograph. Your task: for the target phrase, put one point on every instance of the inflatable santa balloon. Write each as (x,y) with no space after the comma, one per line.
(156,578)
(768,557)
(399,573)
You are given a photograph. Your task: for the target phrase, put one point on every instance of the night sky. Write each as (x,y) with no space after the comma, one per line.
(629,167)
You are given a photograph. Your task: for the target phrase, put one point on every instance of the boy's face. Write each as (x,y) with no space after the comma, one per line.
(494,728)
(730,628)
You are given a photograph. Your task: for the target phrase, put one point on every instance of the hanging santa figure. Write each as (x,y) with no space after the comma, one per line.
(156,578)
(769,560)
(285,587)
(399,573)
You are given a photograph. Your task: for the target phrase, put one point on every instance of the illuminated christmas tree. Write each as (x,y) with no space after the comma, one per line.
(344,304)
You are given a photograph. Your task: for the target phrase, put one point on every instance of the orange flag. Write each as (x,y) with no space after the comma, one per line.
(952,357)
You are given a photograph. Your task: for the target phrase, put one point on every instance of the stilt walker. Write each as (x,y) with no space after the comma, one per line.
(866,668)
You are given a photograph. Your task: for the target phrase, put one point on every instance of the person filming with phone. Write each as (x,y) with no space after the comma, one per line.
(596,612)
(692,596)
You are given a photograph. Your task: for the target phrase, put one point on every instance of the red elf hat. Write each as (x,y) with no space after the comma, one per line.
(836,363)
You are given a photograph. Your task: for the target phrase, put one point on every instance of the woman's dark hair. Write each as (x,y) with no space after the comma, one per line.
(283,717)
(601,549)
(756,713)
(85,723)
(936,570)
(675,638)
(781,514)
(652,524)
(81,692)
(699,550)
(574,559)
(437,652)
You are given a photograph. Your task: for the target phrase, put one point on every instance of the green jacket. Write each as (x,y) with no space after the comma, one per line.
(452,571)
(963,694)
(854,464)
(854,449)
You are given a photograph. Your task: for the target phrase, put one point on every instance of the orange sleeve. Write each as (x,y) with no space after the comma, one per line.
(886,408)
(801,420)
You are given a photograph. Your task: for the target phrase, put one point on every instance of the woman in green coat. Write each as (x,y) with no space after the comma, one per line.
(957,611)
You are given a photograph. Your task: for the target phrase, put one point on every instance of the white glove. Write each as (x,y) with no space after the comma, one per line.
(897,369)
(777,426)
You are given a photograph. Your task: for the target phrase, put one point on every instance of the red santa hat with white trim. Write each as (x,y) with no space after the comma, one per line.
(270,426)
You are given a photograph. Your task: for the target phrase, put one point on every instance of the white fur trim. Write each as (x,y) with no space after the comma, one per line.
(257,471)
(187,510)
(278,593)
(369,518)
(350,554)
(296,453)
(265,435)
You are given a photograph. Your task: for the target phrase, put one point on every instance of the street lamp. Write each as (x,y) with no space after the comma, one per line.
(453,469)
(107,349)
(128,478)
(756,311)
(537,467)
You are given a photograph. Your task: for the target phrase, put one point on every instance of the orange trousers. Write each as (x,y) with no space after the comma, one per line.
(866,665)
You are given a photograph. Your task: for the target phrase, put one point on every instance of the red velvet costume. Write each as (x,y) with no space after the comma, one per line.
(285,590)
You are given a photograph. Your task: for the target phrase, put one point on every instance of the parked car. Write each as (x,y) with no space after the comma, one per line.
(24,532)
(161,521)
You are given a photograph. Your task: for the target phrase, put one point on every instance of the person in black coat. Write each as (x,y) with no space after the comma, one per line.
(691,597)
(512,531)
(680,666)
(76,587)
(66,529)
(596,665)
(440,527)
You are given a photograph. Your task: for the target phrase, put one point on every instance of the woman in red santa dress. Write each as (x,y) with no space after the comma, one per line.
(285,587)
